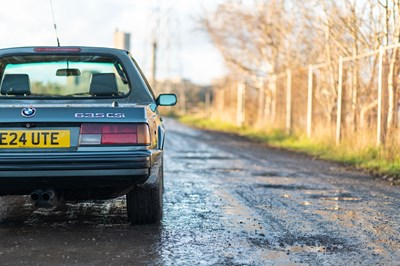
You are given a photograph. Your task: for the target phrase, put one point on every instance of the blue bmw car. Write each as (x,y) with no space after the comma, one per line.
(81,123)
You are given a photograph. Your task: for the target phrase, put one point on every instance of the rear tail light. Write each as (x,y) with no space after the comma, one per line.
(114,134)
(57,49)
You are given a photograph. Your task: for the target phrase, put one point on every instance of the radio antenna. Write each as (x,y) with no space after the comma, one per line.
(54,23)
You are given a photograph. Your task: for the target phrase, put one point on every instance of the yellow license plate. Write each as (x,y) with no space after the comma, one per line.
(34,139)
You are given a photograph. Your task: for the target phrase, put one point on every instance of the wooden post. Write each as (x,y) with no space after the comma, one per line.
(339,102)
(288,101)
(221,103)
(310,100)
(274,103)
(379,118)
(240,104)
(207,104)
(261,96)
(182,98)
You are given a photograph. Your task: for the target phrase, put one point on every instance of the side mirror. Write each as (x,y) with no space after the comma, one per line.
(166,100)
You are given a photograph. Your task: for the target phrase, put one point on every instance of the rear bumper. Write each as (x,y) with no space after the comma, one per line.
(109,173)
(19,164)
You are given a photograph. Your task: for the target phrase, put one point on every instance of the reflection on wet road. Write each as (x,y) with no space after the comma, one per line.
(227,202)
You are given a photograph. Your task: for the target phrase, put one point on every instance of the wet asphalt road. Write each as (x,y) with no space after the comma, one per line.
(228,201)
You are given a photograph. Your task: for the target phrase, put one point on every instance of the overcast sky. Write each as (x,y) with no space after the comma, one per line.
(185,50)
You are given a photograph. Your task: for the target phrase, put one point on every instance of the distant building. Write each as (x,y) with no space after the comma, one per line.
(122,40)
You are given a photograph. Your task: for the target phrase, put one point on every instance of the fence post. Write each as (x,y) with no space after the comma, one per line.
(288,101)
(207,104)
(339,102)
(379,118)
(240,104)
(182,98)
(310,100)
(261,95)
(218,103)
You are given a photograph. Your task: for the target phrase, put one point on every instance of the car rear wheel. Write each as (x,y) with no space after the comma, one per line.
(144,205)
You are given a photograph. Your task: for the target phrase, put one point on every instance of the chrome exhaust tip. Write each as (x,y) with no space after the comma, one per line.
(36,195)
(48,195)
(44,199)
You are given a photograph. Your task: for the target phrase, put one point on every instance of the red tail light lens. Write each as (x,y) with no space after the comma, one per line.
(114,134)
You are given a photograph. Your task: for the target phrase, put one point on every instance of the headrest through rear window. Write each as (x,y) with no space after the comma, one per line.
(103,84)
(16,84)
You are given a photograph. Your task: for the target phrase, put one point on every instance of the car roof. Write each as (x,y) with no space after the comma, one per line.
(61,50)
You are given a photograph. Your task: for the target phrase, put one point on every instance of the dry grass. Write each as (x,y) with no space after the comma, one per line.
(359,151)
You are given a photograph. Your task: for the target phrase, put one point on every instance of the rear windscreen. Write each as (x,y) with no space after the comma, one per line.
(62,76)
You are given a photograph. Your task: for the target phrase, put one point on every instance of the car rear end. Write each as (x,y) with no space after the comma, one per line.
(79,122)
(84,157)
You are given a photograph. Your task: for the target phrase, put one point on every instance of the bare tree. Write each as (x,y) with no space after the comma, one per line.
(261,39)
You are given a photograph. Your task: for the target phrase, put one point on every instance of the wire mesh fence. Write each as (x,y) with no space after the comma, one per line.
(354,97)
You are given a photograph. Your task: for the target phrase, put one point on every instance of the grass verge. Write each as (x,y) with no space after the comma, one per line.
(383,161)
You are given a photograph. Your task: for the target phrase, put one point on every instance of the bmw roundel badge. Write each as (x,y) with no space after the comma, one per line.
(28,112)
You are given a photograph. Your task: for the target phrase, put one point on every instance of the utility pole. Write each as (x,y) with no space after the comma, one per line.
(164,42)
(154,64)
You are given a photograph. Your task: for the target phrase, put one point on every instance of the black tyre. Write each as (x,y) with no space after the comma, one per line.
(144,205)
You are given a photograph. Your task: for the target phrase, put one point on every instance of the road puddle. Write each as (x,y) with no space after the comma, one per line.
(300,249)
(271,174)
(202,157)
(334,208)
(226,170)
(313,244)
(336,197)
(285,186)
(343,199)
